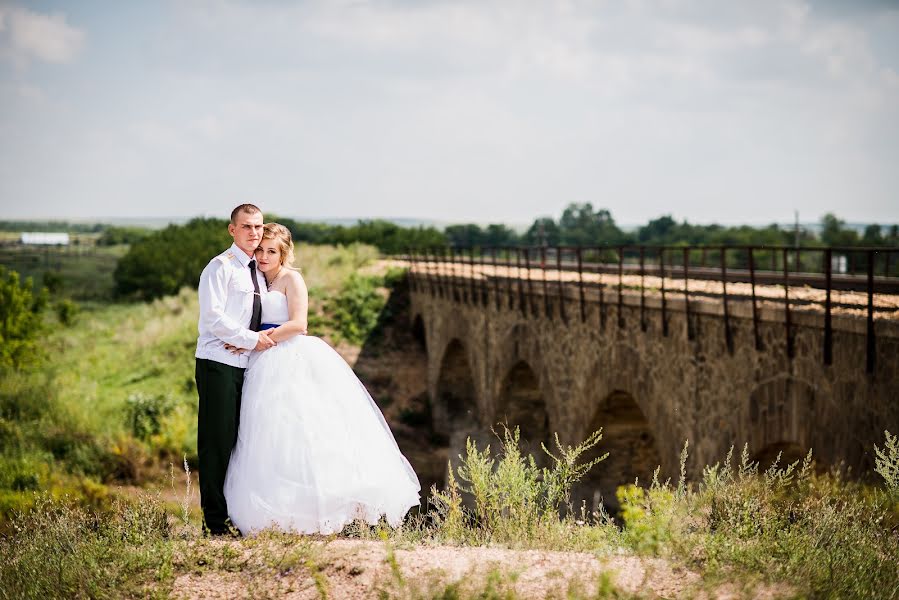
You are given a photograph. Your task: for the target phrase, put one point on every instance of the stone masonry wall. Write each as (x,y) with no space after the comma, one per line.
(686,389)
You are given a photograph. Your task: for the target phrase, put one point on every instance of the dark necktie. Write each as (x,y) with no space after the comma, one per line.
(256,319)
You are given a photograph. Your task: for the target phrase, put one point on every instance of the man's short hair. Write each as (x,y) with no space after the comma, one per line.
(247,208)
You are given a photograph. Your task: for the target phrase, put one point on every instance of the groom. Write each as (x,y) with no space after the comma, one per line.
(230,312)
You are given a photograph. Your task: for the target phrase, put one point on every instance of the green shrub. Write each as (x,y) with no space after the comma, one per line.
(357,308)
(144,413)
(66,311)
(20,320)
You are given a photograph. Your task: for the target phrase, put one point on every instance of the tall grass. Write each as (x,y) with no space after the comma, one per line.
(64,551)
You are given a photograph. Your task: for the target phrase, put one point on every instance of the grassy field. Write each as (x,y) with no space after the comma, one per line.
(82,272)
(115,401)
(86,434)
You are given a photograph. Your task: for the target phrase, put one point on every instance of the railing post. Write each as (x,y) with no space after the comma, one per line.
(562,314)
(869,362)
(728,336)
(828,331)
(664,300)
(642,289)
(547,309)
(517,277)
(620,287)
(686,260)
(602,306)
(432,273)
(580,284)
(755,308)
(475,296)
(521,293)
(527,265)
(787,319)
(441,271)
(495,266)
(485,295)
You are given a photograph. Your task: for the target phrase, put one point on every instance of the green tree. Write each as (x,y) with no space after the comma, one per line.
(169,259)
(581,225)
(21,320)
(835,233)
(873,236)
(543,231)
(112,236)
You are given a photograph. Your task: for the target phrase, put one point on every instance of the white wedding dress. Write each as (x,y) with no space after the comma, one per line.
(313,450)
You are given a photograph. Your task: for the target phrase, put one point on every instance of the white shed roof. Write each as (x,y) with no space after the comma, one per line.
(45,238)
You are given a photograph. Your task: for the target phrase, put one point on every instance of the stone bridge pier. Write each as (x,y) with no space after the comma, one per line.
(545,366)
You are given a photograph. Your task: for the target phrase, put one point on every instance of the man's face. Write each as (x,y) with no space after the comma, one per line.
(246,231)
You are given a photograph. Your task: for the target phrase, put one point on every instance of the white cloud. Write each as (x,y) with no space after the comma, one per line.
(26,36)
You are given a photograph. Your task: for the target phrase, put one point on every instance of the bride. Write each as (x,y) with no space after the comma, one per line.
(313,451)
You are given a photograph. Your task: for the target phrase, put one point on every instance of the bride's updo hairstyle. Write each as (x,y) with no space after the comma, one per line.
(282,237)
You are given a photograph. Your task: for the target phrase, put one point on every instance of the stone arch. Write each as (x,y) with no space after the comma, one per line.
(632,447)
(455,413)
(455,404)
(521,403)
(779,418)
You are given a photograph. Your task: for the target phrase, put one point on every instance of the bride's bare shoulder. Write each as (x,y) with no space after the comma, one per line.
(295,279)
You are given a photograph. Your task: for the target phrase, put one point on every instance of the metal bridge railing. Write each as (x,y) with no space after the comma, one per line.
(756,274)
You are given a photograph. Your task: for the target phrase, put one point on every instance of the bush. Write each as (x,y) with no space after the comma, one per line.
(20,320)
(144,414)
(356,309)
(66,311)
(169,259)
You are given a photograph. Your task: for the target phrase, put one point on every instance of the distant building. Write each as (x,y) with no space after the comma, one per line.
(41,238)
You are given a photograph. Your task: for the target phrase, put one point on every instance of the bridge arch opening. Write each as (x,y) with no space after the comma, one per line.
(789,453)
(633,453)
(456,406)
(780,411)
(454,411)
(418,332)
(522,404)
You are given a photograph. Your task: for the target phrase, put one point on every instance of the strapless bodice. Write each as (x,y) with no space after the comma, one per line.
(274,308)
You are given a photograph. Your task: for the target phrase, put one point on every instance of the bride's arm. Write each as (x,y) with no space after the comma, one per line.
(297,309)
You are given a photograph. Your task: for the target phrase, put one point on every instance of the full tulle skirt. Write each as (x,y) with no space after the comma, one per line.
(313,451)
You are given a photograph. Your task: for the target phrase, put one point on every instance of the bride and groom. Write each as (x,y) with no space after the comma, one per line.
(287,436)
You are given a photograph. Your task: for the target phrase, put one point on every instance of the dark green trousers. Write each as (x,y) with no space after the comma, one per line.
(219,387)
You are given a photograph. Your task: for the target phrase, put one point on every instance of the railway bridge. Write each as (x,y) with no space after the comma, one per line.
(768,347)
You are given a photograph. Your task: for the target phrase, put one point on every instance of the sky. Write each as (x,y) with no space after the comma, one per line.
(460,111)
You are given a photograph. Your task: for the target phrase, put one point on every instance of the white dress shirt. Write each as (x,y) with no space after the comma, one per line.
(226,306)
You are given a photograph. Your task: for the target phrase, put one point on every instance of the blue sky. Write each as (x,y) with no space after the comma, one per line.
(709,110)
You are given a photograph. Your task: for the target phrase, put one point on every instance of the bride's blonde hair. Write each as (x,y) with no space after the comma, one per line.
(282,237)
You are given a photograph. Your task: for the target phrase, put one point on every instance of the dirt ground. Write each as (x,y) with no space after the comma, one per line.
(353,569)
